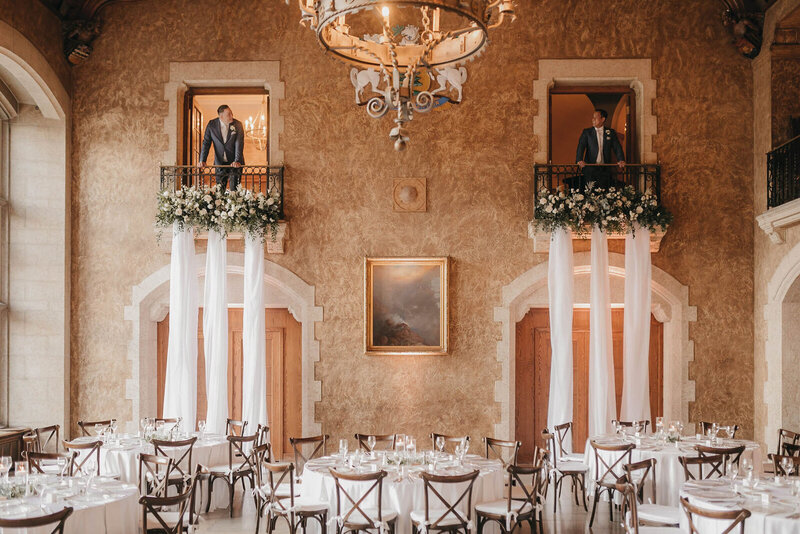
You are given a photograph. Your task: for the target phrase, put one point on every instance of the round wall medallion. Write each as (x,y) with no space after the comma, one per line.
(409,194)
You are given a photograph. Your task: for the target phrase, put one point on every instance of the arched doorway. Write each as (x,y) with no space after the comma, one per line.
(670,306)
(150,304)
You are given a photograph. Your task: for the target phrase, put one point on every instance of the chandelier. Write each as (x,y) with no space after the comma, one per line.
(256,129)
(406,55)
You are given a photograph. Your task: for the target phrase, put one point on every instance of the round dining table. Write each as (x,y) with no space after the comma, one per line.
(403,488)
(669,473)
(120,457)
(100,504)
(773,507)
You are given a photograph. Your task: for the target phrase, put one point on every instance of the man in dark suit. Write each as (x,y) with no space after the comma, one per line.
(595,146)
(227,135)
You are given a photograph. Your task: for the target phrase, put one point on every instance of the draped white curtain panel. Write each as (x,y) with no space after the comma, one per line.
(180,389)
(636,338)
(602,395)
(254,371)
(560,290)
(215,332)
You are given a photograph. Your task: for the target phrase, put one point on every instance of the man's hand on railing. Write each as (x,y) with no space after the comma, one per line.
(236,164)
(201,164)
(621,164)
(581,164)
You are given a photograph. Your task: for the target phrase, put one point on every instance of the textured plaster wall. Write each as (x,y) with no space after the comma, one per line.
(478,160)
(767,255)
(33,20)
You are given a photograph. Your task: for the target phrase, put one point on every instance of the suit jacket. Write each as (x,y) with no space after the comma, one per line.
(233,148)
(587,146)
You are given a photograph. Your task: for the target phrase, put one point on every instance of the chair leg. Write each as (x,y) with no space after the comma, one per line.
(231,491)
(555,496)
(583,491)
(210,486)
(594,506)
(610,506)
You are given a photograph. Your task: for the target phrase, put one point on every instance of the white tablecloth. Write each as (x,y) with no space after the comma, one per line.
(123,460)
(406,494)
(109,506)
(781,515)
(669,472)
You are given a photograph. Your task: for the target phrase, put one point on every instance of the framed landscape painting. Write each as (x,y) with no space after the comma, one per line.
(405,306)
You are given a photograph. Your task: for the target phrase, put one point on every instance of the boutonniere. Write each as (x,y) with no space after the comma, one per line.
(608,133)
(233,129)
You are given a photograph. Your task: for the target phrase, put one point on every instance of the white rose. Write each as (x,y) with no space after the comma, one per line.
(207,198)
(270,201)
(217,202)
(203,212)
(231,213)
(178,212)
(579,197)
(252,211)
(224,215)
(542,201)
(639,209)
(216,212)
(178,193)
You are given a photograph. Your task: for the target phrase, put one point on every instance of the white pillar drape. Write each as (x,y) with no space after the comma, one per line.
(180,383)
(560,291)
(254,342)
(215,332)
(636,339)
(602,395)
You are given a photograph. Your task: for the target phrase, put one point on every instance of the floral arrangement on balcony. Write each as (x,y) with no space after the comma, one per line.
(614,210)
(213,208)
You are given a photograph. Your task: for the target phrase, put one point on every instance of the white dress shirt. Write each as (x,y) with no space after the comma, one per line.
(224,131)
(599,132)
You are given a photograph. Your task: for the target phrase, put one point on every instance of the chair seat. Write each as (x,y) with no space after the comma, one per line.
(418,516)
(659,513)
(500,507)
(357,518)
(283,490)
(226,470)
(659,530)
(170,518)
(303,507)
(572,466)
(574,457)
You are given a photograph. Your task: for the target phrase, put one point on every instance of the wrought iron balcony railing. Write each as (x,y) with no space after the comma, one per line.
(783,173)
(565,177)
(257,178)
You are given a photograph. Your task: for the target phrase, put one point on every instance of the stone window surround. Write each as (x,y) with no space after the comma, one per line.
(150,304)
(183,75)
(679,390)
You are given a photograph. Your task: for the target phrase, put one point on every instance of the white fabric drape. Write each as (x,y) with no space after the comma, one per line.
(254,342)
(215,332)
(636,340)
(180,383)
(602,395)
(560,291)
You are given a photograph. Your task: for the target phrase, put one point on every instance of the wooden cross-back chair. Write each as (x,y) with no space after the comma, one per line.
(777,460)
(791,450)
(637,474)
(786,437)
(629,424)
(242,465)
(171,513)
(576,471)
(279,505)
(388,440)
(630,506)
(181,453)
(234,427)
(30,443)
(87,427)
(736,517)
(352,513)
(48,436)
(168,422)
(318,445)
(608,472)
(505,451)
(729,454)
(263,435)
(448,440)
(715,464)
(37,462)
(705,426)
(85,454)
(154,474)
(521,505)
(452,519)
(57,520)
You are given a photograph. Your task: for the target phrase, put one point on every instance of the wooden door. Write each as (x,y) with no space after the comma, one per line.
(284,370)
(532,374)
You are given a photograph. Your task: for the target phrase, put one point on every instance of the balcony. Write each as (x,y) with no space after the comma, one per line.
(256,178)
(783,190)
(643,178)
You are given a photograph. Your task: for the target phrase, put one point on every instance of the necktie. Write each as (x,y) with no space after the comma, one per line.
(599,145)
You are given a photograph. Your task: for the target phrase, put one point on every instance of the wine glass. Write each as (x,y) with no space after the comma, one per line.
(747,465)
(113,427)
(62,466)
(98,429)
(464,446)
(343,447)
(787,465)
(459,452)
(440,443)
(201,427)
(5,466)
(371,442)
(733,471)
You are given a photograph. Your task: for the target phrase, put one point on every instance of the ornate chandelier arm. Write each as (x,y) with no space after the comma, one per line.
(505,8)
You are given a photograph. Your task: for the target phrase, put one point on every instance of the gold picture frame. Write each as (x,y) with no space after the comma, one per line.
(406,306)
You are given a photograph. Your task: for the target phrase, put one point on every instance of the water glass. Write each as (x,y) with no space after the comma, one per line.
(5,466)
(747,465)
(733,471)
(343,447)
(201,427)
(400,442)
(411,446)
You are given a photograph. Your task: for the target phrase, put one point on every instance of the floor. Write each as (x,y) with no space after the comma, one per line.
(570,518)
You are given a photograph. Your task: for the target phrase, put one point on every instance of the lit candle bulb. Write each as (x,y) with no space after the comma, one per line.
(385,12)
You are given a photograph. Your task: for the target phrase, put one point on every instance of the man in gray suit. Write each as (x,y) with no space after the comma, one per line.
(227,134)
